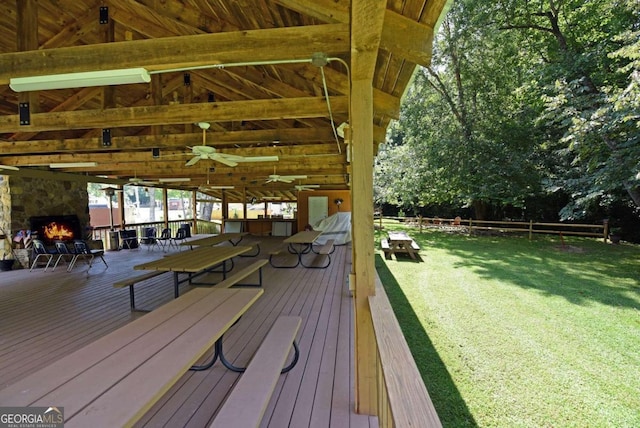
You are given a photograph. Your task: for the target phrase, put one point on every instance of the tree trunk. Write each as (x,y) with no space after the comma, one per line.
(481,209)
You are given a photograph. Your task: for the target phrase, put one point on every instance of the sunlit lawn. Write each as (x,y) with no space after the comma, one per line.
(509,332)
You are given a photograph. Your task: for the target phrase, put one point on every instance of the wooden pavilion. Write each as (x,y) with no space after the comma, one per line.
(277,88)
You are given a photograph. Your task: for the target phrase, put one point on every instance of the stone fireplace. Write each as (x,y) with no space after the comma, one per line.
(24,198)
(51,228)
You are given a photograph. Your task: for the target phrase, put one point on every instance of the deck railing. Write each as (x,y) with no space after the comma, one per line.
(403,400)
(205,227)
(530,227)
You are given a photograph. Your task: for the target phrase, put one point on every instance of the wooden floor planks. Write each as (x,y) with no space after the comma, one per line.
(46,315)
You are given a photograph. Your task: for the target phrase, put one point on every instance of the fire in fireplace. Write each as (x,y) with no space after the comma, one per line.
(56,228)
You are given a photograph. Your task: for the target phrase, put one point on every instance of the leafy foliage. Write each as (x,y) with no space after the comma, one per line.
(523,100)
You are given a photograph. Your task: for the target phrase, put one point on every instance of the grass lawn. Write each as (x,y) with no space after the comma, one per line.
(509,332)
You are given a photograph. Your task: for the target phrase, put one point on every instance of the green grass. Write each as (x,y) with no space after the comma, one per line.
(509,332)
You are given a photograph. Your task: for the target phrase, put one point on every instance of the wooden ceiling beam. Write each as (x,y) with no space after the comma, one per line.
(291,43)
(407,38)
(145,20)
(300,154)
(403,36)
(383,103)
(169,141)
(332,11)
(175,114)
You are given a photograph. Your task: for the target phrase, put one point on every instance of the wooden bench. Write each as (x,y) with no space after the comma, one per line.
(230,281)
(115,380)
(385,247)
(130,282)
(247,402)
(325,250)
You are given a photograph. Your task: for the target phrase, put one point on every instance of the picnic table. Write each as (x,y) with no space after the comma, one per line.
(194,263)
(399,242)
(233,238)
(301,242)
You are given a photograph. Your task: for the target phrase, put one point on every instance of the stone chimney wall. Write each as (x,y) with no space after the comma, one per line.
(25,197)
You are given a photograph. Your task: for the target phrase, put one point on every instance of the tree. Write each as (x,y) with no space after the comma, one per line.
(524,100)
(592,98)
(466,137)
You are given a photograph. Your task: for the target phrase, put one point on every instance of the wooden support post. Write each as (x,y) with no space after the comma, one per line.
(530,230)
(194,201)
(165,206)
(27,40)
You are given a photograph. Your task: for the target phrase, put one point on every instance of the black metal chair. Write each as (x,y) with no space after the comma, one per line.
(64,254)
(83,250)
(42,254)
(181,235)
(149,239)
(165,239)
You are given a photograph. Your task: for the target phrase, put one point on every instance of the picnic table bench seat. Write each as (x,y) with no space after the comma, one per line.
(240,275)
(325,250)
(276,252)
(249,398)
(256,249)
(116,379)
(228,282)
(130,282)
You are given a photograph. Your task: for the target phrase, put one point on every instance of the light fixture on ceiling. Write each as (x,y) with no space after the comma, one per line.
(73,165)
(173,180)
(9,167)
(220,187)
(341,129)
(80,80)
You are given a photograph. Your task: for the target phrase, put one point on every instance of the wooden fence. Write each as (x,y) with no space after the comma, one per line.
(472,226)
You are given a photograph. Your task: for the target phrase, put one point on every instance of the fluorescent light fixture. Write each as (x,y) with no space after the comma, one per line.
(219,187)
(173,180)
(340,130)
(80,80)
(73,165)
(259,159)
(10,167)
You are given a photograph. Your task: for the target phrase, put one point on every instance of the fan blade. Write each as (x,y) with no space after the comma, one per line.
(202,150)
(292,177)
(224,160)
(193,161)
(258,159)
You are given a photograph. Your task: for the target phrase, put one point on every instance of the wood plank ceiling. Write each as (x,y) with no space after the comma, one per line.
(243,66)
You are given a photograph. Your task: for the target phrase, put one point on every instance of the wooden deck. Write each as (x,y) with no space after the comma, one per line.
(46,315)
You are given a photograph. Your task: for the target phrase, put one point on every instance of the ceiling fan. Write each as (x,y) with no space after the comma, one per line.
(139,181)
(208,152)
(274,178)
(207,187)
